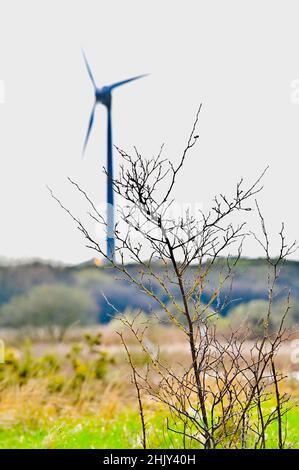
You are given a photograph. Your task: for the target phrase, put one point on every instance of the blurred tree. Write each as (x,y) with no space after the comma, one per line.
(54,306)
(251,315)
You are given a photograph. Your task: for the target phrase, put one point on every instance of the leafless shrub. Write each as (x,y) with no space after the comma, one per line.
(225,397)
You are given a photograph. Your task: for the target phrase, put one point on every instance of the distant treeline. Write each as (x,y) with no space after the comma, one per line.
(38,292)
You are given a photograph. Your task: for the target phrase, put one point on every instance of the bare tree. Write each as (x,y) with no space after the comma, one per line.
(221,399)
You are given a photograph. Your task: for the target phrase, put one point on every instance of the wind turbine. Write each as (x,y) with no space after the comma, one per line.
(103,95)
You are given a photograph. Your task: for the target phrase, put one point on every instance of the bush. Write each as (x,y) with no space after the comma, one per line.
(252,315)
(55,306)
(84,362)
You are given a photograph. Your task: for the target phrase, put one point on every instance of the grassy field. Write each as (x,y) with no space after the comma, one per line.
(78,394)
(121,431)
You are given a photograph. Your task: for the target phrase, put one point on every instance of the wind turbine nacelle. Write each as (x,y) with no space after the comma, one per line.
(103,95)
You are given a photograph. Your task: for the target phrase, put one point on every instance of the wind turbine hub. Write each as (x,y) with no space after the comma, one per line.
(103,95)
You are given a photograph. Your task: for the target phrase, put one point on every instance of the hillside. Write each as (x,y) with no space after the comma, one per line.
(250,283)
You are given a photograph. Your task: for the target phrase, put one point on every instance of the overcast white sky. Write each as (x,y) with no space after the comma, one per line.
(240,58)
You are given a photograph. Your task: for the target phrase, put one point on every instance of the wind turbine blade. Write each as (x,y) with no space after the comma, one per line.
(123,82)
(89,70)
(89,127)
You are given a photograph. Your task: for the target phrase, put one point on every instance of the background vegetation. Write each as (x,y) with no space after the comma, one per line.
(26,290)
(78,393)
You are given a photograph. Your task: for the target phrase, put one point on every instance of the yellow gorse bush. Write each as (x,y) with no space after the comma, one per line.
(83,362)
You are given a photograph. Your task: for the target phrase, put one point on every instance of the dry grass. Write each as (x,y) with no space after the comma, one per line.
(35,403)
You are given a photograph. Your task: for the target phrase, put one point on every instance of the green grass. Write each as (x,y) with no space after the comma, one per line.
(119,433)
(123,431)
